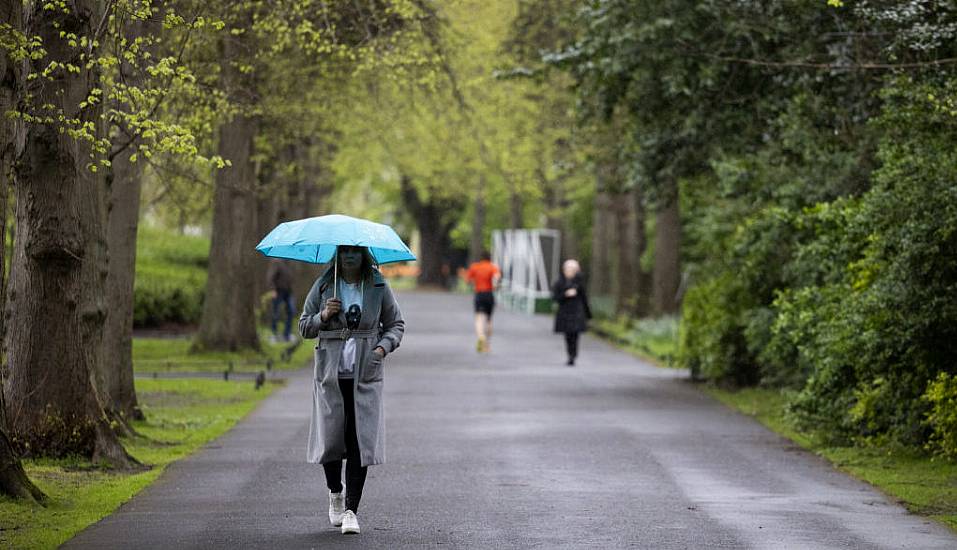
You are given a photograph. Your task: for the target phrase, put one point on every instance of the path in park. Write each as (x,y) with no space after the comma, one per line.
(515,450)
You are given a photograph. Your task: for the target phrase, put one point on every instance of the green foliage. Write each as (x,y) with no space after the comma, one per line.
(712,342)
(941,395)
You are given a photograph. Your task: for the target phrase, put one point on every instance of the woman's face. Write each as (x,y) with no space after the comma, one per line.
(351,256)
(570,269)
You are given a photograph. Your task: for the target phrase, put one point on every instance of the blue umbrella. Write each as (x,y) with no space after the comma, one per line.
(315,240)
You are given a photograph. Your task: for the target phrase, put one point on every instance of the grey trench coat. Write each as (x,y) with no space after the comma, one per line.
(383,325)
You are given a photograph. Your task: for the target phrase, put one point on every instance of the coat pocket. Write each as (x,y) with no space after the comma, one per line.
(319,363)
(373,368)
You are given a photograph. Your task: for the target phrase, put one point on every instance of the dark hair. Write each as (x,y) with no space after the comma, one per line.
(486,255)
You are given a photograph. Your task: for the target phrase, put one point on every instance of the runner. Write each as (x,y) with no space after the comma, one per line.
(484,276)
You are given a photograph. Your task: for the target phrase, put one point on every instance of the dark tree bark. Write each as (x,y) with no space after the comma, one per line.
(666,275)
(228,321)
(600,270)
(430,218)
(125,181)
(268,216)
(516,207)
(13,479)
(57,290)
(626,262)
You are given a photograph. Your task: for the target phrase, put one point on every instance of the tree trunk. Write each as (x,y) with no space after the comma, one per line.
(600,271)
(477,240)
(125,186)
(116,371)
(13,479)
(666,276)
(626,278)
(516,207)
(57,306)
(642,300)
(228,322)
(434,233)
(267,216)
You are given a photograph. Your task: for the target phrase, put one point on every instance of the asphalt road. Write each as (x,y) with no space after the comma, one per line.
(515,450)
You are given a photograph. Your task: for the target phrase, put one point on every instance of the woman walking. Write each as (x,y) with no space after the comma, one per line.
(353,313)
(573,311)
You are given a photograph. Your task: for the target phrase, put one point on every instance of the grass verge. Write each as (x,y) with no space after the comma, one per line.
(172,355)
(925,485)
(182,415)
(655,340)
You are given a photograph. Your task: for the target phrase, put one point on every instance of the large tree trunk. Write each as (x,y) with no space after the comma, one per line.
(125,187)
(57,292)
(434,232)
(228,321)
(666,276)
(13,479)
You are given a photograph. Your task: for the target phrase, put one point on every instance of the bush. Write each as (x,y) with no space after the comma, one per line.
(170,278)
(941,395)
(711,341)
(878,322)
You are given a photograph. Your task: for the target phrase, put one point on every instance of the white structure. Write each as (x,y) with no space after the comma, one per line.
(529,260)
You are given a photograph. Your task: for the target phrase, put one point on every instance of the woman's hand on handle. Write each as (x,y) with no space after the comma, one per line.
(333,307)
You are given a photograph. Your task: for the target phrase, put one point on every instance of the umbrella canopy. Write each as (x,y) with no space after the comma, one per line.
(314,240)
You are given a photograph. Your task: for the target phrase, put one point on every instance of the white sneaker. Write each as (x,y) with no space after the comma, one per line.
(337,506)
(350,523)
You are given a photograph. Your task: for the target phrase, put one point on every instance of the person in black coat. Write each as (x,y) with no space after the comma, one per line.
(573,311)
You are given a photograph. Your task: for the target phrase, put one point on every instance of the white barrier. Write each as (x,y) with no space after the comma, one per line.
(529,260)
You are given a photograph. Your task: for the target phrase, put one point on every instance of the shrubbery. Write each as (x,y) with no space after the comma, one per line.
(941,396)
(850,301)
(170,278)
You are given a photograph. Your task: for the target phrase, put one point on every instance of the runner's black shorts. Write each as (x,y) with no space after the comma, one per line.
(484,303)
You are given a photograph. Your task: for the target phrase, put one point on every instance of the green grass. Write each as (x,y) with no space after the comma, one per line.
(182,415)
(653,339)
(172,354)
(924,484)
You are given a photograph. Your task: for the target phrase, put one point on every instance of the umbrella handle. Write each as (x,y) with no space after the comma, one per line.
(335,273)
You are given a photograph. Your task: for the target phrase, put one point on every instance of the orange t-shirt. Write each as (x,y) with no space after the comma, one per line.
(481,274)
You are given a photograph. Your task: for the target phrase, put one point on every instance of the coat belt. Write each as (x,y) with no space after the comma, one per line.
(345,334)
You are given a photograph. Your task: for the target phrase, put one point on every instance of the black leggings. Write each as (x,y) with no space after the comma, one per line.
(571,344)
(355,472)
